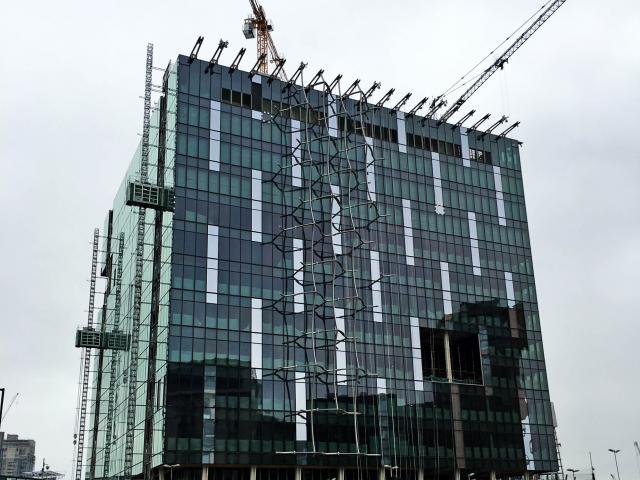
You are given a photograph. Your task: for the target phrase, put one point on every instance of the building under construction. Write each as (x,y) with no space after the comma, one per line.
(305,283)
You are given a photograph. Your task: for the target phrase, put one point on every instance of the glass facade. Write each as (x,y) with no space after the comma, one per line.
(344,286)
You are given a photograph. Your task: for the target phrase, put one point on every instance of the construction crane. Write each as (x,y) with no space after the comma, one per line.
(500,62)
(260,26)
(4,415)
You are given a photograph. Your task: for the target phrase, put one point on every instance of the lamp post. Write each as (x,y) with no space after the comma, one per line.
(573,472)
(171,467)
(615,456)
(471,475)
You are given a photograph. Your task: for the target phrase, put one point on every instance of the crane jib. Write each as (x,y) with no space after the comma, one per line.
(504,58)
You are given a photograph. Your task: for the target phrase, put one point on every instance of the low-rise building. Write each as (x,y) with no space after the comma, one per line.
(16,455)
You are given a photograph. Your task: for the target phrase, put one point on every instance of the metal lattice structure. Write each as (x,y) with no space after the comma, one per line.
(325,230)
(86,361)
(135,330)
(501,61)
(115,359)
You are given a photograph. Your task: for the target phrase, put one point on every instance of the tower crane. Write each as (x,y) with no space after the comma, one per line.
(258,25)
(500,62)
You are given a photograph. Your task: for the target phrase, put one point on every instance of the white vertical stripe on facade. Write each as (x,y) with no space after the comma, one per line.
(212,264)
(298,287)
(381,385)
(497,180)
(256,205)
(475,250)
(371,169)
(511,296)
(464,140)
(336,236)
(446,288)
(376,291)
(437,182)
(341,347)
(256,337)
(214,136)
(333,116)
(417,355)
(296,168)
(402,132)
(301,406)
(408,231)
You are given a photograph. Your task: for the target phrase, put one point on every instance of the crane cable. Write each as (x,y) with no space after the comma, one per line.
(455,85)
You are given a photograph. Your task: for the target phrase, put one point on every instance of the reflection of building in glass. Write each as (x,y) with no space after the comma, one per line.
(334,290)
(17,455)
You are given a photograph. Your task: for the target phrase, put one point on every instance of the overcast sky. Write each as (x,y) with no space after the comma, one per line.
(71,73)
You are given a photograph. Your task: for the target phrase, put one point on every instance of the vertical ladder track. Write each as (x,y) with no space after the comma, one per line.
(87,359)
(135,328)
(115,358)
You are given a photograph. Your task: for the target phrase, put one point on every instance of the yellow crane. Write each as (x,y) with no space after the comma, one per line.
(259,27)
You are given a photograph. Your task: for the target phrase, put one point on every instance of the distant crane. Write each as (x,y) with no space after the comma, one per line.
(4,415)
(258,24)
(497,65)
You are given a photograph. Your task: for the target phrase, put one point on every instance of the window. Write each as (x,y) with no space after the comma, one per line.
(466,366)
(434,365)
(464,352)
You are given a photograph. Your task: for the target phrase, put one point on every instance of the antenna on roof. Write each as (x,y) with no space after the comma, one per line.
(402,101)
(236,61)
(256,67)
(352,88)
(216,56)
(419,105)
(335,82)
(276,71)
(386,97)
(463,119)
(373,88)
(509,130)
(480,122)
(196,48)
(502,120)
(296,74)
(315,80)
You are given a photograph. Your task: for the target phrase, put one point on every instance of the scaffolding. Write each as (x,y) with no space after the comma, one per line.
(125,338)
(100,340)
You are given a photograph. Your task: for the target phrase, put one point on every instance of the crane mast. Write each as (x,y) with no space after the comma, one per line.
(504,58)
(260,28)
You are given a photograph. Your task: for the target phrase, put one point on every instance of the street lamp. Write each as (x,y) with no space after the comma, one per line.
(171,467)
(615,456)
(471,475)
(573,472)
